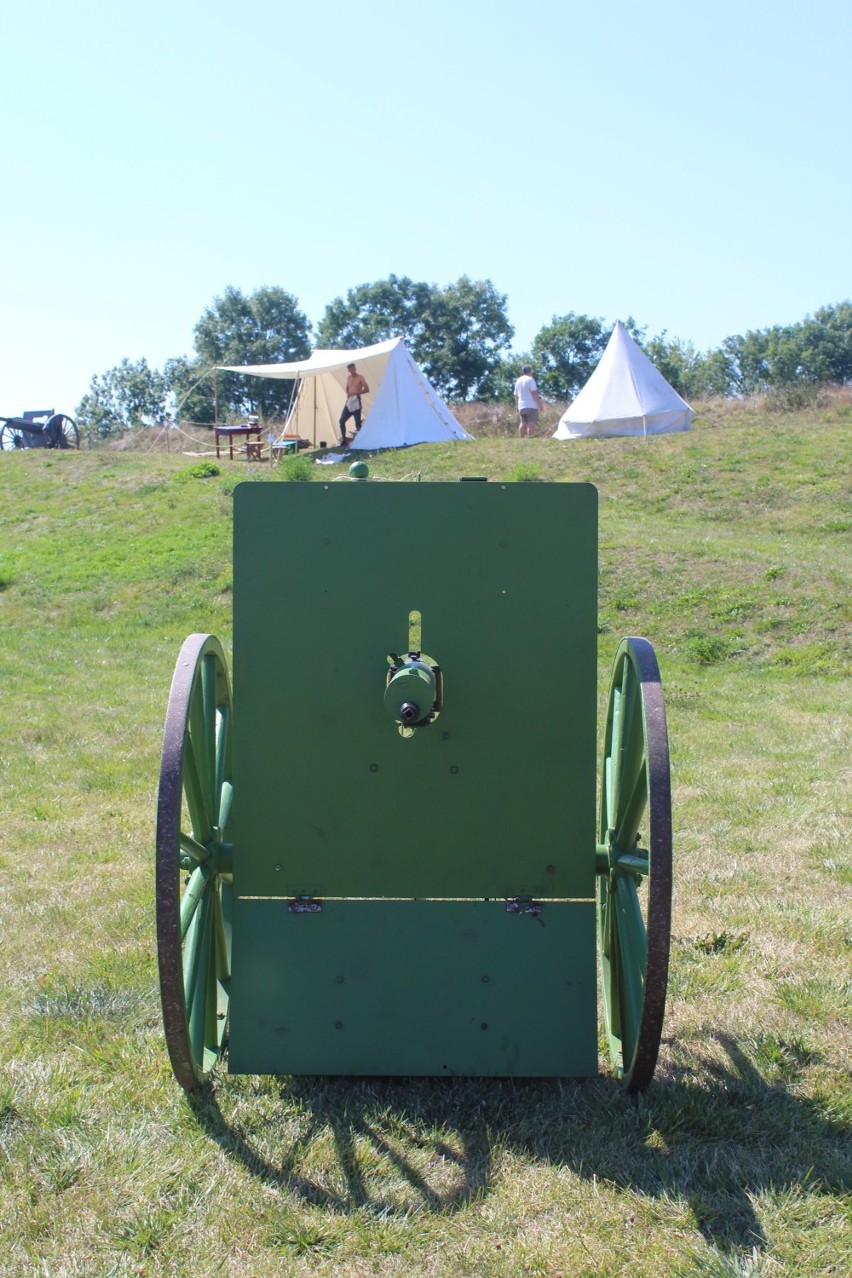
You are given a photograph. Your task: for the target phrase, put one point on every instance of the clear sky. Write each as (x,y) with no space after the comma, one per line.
(686,164)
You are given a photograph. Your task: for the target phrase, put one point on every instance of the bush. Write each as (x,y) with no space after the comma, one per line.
(199,470)
(295,469)
(707,650)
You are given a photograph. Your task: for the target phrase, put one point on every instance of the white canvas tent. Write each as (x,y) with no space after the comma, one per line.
(625,395)
(401,408)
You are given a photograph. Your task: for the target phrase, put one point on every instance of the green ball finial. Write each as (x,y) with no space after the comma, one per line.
(359,470)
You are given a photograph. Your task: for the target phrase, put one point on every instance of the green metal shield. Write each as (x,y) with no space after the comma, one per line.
(414,838)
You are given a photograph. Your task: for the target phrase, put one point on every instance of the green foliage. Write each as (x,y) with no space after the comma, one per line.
(198,470)
(816,351)
(566,352)
(190,383)
(692,374)
(456,334)
(124,397)
(264,328)
(524,473)
(295,469)
(707,650)
(722,942)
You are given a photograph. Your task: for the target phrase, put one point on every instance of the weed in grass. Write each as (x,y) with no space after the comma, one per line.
(721,942)
(807,659)
(524,473)
(294,470)
(707,650)
(198,470)
(781,1058)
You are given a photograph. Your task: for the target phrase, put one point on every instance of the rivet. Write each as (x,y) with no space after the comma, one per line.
(338,1024)
(485,980)
(374,767)
(454,769)
(484,1025)
(551,869)
(279,866)
(339,979)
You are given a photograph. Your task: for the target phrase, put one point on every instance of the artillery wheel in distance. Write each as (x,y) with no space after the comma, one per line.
(193,817)
(634,880)
(61,431)
(10,437)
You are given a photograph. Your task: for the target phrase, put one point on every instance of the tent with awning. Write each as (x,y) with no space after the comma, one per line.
(402,407)
(625,395)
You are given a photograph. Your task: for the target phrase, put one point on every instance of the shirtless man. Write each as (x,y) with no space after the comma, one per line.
(355,388)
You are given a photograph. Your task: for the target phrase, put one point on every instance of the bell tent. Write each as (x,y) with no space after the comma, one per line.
(625,395)
(401,408)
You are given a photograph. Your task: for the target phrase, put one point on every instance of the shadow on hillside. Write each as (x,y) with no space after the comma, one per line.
(391,1146)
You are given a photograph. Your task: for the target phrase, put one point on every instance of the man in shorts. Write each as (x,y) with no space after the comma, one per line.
(356,386)
(528,401)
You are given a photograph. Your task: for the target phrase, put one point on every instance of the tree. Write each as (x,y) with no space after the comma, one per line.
(190,385)
(692,374)
(815,352)
(456,334)
(566,352)
(122,398)
(265,328)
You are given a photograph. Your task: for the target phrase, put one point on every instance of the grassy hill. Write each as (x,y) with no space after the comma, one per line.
(729,548)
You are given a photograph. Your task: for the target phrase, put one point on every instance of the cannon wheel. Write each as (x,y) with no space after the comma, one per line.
(10,437)
(67,435)
(634,883)
(193,817)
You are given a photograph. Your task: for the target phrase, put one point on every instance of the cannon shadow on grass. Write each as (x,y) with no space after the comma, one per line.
(393,1146)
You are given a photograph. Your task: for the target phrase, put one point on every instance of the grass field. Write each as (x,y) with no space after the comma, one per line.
(730,549)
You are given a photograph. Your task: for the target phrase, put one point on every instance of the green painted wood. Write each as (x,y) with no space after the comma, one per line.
(413,987)
(496,797)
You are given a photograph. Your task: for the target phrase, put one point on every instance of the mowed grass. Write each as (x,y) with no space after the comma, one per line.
(729,549)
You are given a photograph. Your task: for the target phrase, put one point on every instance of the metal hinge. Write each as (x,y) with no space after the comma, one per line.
(305,905)
(523,905)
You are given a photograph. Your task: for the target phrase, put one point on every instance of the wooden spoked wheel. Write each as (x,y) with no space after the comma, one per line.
(634,864)
(10,437)
(61,432)
(194,861)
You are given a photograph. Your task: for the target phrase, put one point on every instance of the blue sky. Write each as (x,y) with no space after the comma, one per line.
(689,165)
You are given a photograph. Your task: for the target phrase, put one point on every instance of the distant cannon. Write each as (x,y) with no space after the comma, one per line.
(39,429)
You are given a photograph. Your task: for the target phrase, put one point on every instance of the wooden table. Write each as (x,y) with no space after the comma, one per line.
(232,432)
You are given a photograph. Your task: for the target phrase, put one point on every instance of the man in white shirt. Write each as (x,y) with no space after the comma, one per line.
(528,401)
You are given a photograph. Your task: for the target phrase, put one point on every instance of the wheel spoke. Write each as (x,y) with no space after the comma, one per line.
(197,799)
(632,944)
(226,795)
(192,897)
(197,1004)
(208,697)
(223,738)
(223,966)
(193,849)
(632,811)
(192,948)
(200,754)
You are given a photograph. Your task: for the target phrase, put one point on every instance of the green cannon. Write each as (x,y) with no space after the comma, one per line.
(381,856)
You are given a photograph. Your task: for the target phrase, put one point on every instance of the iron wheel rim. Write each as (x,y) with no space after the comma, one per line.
(193,820)
(634,882)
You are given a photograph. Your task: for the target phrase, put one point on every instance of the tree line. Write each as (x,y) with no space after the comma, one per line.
(460,336)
